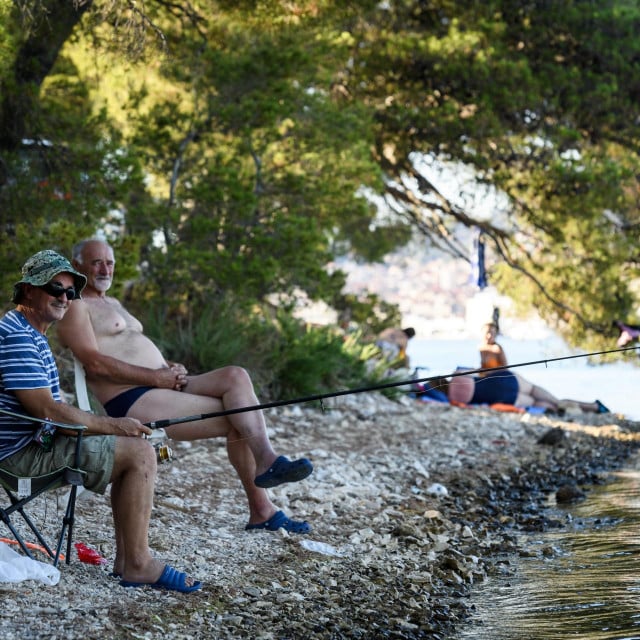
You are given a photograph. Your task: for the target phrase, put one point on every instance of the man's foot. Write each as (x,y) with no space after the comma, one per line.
(280,521)
(284,470)
(171,580)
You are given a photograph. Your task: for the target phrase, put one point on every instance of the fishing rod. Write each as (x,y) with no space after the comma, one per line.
(161,424)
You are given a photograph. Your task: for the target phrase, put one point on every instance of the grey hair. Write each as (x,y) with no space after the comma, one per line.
(76,251)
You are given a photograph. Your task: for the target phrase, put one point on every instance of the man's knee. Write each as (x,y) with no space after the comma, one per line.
(237,376)
(134,453)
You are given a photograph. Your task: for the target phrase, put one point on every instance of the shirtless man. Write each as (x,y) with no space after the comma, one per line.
(130,377)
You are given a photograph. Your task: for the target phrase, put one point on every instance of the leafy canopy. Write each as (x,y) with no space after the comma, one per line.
(232,142)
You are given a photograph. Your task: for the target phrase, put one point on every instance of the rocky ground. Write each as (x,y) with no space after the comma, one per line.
(412,504)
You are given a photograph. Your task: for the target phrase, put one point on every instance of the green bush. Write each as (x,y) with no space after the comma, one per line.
(285,358)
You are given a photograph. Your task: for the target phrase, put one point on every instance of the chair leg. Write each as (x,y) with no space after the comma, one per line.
(17,536)
(72,477)
(36,533)
(67,527)
(70,514)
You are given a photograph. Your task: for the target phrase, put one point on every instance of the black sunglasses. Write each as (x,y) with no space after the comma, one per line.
(56,290)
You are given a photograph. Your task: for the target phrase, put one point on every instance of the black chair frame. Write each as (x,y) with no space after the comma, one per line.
(39,484)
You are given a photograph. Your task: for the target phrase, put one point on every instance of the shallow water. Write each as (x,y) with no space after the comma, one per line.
(589,587)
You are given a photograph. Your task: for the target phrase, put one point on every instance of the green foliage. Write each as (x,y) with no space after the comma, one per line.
(285,358)
(515,90)
(8,31)
(257,205)
(313,360)
(368,312)
(233,164)
(72,177)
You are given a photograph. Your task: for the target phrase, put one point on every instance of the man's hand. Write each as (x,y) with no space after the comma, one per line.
(174,377)
(131,427)
(180,375)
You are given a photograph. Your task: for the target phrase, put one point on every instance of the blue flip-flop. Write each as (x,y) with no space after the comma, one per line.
(171,580)
(280,521)
(284,470)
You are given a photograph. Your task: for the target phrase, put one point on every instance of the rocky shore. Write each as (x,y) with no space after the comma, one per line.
(411,504)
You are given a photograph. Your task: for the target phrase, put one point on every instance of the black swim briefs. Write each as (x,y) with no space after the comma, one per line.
(119,406)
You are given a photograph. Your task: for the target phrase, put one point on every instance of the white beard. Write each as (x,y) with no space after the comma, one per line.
(102,284)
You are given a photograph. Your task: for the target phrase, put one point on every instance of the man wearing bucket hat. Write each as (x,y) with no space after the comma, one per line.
(40,269)
(114,450)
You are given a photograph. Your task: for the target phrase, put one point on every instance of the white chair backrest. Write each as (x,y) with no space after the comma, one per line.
(82,395)
(82,400)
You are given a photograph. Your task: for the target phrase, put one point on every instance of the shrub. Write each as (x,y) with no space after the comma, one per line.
(285,358)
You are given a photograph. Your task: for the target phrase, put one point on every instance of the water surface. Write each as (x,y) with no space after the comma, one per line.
(584,582)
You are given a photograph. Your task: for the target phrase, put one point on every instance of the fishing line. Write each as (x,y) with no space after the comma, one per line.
(161,424)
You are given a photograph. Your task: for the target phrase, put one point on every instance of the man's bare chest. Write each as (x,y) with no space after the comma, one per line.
(109,318)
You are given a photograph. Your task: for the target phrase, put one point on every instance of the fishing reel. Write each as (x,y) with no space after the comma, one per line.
(164,453)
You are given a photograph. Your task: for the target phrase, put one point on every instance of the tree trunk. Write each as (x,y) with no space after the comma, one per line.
(52,23)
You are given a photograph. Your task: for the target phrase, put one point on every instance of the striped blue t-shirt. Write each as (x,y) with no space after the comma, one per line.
(26,362)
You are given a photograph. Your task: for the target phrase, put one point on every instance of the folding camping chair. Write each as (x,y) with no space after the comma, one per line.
(22,491)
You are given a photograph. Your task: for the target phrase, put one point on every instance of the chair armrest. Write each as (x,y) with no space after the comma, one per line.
(78,428)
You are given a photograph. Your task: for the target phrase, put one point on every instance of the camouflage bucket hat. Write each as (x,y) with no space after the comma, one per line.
(41,267)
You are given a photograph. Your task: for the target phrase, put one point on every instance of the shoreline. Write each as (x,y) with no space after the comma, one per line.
(411,504)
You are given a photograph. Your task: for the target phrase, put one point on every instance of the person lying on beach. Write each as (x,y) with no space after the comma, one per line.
(128,374)
(506,387)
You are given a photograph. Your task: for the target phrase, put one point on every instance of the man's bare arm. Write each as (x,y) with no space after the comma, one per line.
(41,404)
(75,331)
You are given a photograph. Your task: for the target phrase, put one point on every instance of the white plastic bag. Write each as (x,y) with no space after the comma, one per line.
(320,547)
(14,567)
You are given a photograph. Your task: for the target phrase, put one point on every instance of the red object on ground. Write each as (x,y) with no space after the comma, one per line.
(88,555)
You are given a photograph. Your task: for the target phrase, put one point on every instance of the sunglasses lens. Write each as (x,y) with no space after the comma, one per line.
(56,290)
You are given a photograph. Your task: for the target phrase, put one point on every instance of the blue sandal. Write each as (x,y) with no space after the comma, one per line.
(284,470)
(280,521)
(171,580)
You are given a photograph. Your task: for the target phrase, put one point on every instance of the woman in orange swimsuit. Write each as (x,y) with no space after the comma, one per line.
(491,353)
